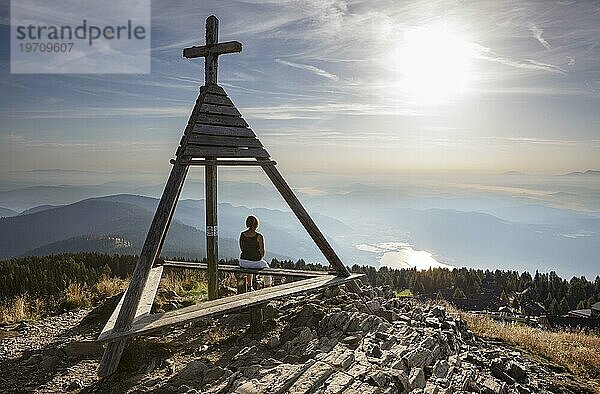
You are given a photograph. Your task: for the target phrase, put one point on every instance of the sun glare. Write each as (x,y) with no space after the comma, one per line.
(434,63)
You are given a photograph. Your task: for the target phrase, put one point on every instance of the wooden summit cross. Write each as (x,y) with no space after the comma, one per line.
(215,135)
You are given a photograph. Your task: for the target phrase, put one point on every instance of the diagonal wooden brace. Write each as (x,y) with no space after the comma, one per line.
(150,250)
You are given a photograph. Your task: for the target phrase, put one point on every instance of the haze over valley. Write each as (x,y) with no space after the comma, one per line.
(506,221)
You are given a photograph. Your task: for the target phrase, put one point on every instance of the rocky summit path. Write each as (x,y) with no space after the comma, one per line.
(327,342)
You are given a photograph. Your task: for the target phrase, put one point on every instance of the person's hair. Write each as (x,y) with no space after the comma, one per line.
(252,222)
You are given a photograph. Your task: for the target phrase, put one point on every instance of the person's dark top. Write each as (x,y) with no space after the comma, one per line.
(250,247)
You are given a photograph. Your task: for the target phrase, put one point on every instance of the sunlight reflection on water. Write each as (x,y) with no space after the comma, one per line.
(402,255)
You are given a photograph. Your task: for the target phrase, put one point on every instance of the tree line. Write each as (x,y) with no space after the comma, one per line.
(48,276)
(558,295)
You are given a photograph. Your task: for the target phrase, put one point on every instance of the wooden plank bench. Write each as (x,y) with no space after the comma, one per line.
(145,304)
(148,323)
(238,269)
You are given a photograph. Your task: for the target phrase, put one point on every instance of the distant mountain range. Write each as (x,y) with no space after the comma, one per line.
(39,208)
(119,223)
(86,243)
(474,232)
(250,194)
(5,212)
(588,172)
(505,222)
(26,234)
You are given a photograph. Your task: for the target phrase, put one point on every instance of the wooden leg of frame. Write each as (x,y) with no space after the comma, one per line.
(256,319)
(150,250)
(288,195)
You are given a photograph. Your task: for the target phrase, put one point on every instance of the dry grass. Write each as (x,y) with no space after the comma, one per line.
(108,287)
(76,296)
(186,283)
(21,308)
(577,351)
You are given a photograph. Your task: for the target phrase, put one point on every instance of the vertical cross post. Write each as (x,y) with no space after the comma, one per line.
(211,60)
(210,171)
(211,52)
(212,233)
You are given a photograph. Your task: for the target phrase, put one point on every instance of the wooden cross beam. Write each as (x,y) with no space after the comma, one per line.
(212,50)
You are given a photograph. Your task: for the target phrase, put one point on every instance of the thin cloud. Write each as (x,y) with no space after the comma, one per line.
(537,34)
(14,141)
(307,67)
(99,112)
(545,141)
(485,53)
(317,111)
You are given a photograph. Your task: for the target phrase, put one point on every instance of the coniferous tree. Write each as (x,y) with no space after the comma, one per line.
(563,306)
(554,308)
(459,294)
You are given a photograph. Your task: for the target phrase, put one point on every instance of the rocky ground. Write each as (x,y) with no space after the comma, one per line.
(328,342)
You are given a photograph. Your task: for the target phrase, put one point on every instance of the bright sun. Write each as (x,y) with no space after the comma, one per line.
(435,63)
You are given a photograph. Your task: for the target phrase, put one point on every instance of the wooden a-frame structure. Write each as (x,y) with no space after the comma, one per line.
(216,135)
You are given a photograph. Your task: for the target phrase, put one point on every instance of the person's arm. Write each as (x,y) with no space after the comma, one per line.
(241,235)
(261,245)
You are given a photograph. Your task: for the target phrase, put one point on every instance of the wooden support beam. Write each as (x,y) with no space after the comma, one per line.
(219,109)
(212,230)
(223,141)
(145,305)
(218,49)
(216,151)
(256,319)
(288,195)
(211,58)
(235,268)
(218,100)
(206,129)
(154,239)
(221,120)
(241,284)
(201,162)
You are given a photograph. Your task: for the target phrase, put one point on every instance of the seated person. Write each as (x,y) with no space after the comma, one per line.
(252,245)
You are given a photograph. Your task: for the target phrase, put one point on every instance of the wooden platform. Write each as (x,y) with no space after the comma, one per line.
(263,271)
(149,323)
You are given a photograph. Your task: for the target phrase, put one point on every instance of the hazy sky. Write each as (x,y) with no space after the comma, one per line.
(344,85)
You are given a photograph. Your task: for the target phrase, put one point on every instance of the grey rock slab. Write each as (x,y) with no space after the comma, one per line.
(191,373)
(418,358)
(491,386)
(312,378)
(337,383)
(440,369)
(340,357)
(416,379)
(249,387)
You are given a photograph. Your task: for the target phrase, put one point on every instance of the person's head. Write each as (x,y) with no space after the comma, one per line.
(252,222)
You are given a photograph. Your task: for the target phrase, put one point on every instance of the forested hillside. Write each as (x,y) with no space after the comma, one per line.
(49,276)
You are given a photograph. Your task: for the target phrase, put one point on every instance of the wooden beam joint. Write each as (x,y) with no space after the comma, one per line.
(243,163)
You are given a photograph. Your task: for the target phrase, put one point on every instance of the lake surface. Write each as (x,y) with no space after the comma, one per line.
(402,255)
